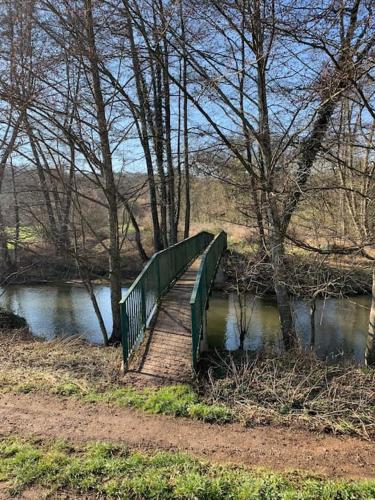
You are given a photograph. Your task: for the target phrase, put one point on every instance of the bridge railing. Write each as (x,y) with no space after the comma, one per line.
(203,283)
(140,302)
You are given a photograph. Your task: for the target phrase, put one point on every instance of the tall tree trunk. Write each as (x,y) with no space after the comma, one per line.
(156,122)
(43,186)
(178,153)
(168,146)
(146,123)
(107,171)
(65,237)
(185,126)
(370,345)
(16,217)
(276,238)
(281,289)
(3,161)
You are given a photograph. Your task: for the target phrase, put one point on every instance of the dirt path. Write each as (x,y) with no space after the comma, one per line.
(276,448)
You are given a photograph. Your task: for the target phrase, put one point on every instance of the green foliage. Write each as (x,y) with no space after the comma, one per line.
(113,471)
(178,400)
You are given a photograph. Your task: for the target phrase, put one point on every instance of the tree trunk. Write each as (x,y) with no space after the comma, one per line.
(4,158)
(312,322)
(146,122)
(110,185)
(168,146)
(17,223)
(370,345)
(280,286)
(186,131)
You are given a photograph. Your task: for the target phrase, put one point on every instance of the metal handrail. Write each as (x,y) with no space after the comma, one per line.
(141,300)
(201,291)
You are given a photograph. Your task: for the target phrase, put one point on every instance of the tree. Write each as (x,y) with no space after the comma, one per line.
(277,152)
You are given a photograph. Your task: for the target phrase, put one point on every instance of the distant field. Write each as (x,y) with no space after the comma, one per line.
(27,234)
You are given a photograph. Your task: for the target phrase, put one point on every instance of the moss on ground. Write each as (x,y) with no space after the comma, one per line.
(113,471)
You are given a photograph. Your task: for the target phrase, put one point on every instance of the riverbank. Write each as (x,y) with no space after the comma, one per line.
(292,390)
(61,400)
(307,275)
(337,276)
(40,265)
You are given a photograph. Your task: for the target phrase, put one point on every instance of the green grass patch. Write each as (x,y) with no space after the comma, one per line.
(27,234)
(113,471)
(178,400)
(294,390)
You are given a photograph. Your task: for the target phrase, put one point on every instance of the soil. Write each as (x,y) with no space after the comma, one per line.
(276,448)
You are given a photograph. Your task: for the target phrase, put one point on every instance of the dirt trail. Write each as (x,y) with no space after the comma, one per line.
(276,448)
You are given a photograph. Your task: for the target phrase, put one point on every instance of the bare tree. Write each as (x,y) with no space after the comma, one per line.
(283,151)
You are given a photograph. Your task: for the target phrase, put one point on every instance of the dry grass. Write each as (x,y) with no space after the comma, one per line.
(294,389)
(73,358)
(73,368)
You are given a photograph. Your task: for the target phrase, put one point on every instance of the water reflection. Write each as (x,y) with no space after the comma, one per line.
(341,325)
(59,310)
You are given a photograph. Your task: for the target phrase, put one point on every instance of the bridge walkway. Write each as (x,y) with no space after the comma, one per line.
(163,314)
(166,353)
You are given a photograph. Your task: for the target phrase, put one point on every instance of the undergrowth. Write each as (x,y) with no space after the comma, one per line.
(293,389)
(113,471)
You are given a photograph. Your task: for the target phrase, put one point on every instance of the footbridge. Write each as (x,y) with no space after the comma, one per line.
(163,314)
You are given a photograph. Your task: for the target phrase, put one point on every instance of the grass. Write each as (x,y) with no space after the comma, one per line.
(177,400)
(27,234)
(91,374)
(293,389)
(113,471)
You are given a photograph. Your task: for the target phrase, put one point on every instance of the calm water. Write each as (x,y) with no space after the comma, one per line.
(62,310)
(340,325)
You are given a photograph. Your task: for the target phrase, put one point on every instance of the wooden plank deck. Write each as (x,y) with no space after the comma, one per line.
(167,351)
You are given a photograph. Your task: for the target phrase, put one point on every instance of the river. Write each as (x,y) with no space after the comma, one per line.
(64,310)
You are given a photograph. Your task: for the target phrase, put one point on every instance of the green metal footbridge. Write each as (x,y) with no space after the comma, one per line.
(163,314)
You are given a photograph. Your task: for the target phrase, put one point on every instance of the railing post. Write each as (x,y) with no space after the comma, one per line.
(158,277)
(125,335)
(143,304)
(194,336)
